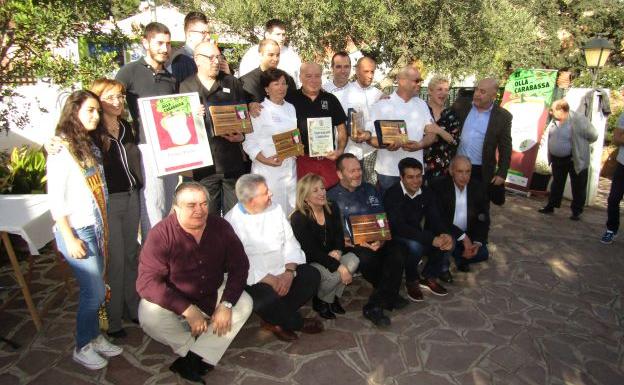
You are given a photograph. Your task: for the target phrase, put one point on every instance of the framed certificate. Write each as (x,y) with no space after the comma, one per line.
(391,131)
(176,135)
(288,144)
(369,228)
(230,119)
(320,136)
(355,122)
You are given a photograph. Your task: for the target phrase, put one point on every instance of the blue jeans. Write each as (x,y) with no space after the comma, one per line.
(482,255)
(385,182)
(415,251)
(88,272)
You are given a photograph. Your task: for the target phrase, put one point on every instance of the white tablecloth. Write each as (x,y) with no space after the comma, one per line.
(29,216)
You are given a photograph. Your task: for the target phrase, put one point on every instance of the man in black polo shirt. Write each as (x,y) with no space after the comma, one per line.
(269,59)
(311,101)
(143,78)
(218,88)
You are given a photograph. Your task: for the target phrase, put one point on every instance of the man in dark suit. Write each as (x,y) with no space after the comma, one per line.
(463,208)
(486,129)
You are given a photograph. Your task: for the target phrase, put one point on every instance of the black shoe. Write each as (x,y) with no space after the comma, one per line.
(463,268)
(336,307)
(446,276)
(184,367)
(322,308)
(198,364)
(118,334)
(575,217)
(376,315)
(399,303)
(546,210)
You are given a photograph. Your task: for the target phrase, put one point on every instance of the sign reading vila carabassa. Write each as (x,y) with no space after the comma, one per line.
(528,95)
(175,131)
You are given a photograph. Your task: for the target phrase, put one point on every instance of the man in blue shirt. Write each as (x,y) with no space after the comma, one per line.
(381,263)
(486,131)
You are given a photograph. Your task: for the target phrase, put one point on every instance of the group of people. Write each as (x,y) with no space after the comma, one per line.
(269,236)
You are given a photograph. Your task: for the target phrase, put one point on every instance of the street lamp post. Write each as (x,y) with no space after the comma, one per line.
(597,51)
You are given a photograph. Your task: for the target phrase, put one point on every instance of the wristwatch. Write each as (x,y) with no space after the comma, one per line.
(293,271)
(228,305)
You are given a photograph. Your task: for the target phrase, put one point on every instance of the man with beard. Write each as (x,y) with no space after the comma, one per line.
(143,78)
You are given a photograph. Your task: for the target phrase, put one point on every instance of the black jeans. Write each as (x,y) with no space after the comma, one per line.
(283,311)
(561,167)
(222,194)
(615,197)
(383,269)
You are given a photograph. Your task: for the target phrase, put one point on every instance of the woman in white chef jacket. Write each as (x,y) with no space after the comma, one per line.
(277,116)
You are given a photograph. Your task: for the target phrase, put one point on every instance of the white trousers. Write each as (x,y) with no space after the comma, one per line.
(171,329)
(156,194)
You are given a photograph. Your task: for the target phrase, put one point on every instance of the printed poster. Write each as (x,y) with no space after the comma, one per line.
(528,95)
(175,132)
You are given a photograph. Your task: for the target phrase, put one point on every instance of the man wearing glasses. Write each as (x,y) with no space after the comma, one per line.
(218,88)
(196,30)
(403,104)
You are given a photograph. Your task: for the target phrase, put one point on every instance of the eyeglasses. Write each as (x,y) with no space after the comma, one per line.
(111,98)
(209,57)
(203,33)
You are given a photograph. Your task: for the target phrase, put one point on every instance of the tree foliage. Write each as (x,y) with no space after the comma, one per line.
(30,30)
(456,37)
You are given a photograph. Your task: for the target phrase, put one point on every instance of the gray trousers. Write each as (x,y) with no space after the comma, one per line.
(331,285)
(123,224)
(222,193)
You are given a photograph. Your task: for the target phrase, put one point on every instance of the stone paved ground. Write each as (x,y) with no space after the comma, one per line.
(546,309)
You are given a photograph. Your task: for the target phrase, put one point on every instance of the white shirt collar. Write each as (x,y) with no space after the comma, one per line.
(417,193)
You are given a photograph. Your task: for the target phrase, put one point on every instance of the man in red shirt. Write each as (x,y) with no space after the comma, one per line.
(185,302)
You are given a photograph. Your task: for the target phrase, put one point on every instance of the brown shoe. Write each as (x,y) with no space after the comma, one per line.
(413,291)
(433,286)
(312,326)
(281,334)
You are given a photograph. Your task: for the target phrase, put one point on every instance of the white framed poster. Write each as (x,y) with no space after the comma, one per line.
(176,133)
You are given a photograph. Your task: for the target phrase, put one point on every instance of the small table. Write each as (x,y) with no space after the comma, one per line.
(28,216)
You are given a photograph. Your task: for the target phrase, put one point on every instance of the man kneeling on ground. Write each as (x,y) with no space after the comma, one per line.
(185,302)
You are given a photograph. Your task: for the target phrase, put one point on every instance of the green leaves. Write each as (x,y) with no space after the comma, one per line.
(23,171)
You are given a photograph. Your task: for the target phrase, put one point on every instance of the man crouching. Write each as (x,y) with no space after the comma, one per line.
(185,302)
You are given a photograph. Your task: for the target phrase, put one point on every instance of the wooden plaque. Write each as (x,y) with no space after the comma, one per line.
(288,144)
(369,228)
(230,119)
(355,122)
(391,131)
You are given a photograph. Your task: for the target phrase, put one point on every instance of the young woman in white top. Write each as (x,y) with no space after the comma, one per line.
(277,116)
(77,194)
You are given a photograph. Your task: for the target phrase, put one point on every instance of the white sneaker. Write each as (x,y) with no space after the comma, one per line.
(105,348)
(89,358)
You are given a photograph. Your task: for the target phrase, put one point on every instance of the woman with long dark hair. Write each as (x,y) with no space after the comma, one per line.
(78,196)
(122,167)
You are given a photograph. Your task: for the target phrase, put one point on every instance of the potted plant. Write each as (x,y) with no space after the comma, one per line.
(23,171)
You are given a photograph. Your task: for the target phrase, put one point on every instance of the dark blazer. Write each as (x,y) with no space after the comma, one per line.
(406,215)
(497,137)
(478,222)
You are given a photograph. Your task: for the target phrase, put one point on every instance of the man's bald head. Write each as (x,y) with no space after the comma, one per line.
(365,70)
(485,93)
(409,82)
(310,76)
(206,56)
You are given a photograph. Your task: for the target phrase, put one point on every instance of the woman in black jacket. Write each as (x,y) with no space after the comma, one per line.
(317,226)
